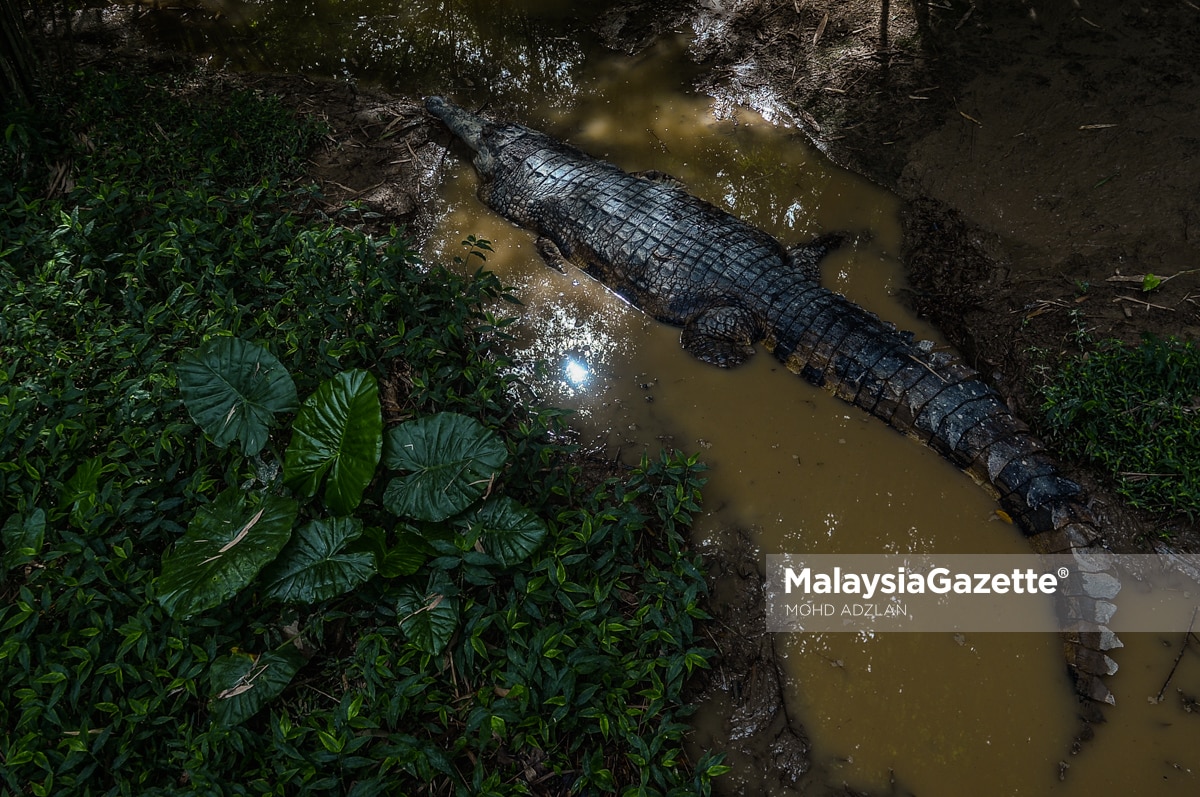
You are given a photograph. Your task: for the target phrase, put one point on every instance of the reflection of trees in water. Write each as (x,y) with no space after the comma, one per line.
(764,183)
(424,45)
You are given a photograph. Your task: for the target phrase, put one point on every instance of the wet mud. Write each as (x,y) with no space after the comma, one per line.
(766,745)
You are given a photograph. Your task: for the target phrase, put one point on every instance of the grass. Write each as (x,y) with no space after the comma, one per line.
(142,222)
(1134,412)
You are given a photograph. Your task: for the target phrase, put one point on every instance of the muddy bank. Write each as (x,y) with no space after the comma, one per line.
(766,747)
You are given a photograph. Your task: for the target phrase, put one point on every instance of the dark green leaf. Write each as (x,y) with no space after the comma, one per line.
(232,388)
(314,566)
(23,538)
(242,684)
(225,546)
(427,616)
(402,558)
(83,489)
(339,432)
(406,556)
(508,531)
(453,459)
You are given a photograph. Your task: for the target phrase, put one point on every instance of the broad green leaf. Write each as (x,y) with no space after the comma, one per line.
(314,566)
(242,684)
(427,616)
(1150,282)
(508,531)
(339,432)
(406,556)
(82,491)
(453,459)
(401,558)
(22,538)
(225,546)
(232,388)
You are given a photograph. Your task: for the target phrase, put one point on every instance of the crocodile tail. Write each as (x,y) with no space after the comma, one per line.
(934,397)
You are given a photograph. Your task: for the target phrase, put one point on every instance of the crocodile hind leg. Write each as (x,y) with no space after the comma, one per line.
(723,336)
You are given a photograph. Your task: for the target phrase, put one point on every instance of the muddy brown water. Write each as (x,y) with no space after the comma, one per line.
(934,714)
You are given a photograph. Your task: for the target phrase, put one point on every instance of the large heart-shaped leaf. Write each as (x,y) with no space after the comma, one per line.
(314,566)
(453,459)
(507,530)
(427,616)
(242,684)
(339,432)
(232,388)
(225,546)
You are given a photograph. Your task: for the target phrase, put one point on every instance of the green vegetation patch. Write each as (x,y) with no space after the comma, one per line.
(239,553)
(1135,412)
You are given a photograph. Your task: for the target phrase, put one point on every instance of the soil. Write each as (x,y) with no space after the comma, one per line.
(1049,158)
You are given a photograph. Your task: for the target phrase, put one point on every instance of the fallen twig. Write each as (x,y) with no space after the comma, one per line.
(820,28)
(1187,638)
(1147,305)
(1044,306)
(1140,280)
(965,17)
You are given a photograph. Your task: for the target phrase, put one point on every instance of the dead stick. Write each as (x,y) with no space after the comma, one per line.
(884,10)
(1186,639)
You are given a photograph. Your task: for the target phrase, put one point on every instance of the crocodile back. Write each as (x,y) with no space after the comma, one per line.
(664,250)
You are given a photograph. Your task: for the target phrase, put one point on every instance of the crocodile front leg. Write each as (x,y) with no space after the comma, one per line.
(553,256)
(723,336)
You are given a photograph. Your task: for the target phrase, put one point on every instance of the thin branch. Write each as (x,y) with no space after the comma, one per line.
(1187,638)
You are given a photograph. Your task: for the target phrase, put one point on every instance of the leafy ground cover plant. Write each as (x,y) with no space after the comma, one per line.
(212,586)
(1135,412)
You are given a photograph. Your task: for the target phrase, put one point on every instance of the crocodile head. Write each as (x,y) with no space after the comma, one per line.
(487,139)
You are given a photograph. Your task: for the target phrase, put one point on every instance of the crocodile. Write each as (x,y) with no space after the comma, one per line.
(731,286)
